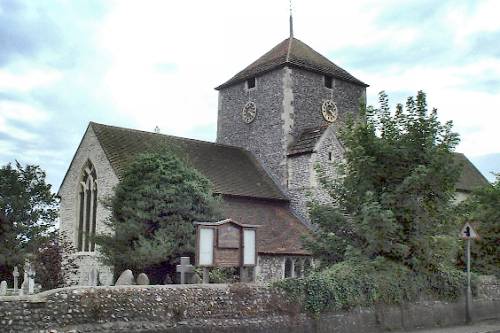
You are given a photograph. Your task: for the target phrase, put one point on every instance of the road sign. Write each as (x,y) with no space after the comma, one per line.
(468,232)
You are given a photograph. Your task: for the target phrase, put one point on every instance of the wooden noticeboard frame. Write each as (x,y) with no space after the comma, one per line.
(228,243)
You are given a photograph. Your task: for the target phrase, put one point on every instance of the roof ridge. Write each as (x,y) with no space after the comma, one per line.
(168,135)
(290,40)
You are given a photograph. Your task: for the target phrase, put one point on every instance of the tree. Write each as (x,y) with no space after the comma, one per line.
(394,193)
(54,263)
(28,210)
(153,208)
(482,207)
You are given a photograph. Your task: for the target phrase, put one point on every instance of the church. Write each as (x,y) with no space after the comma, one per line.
(277,119)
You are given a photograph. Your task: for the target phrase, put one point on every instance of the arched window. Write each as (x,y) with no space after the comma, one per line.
(288,268)
(307,266)
(87,203)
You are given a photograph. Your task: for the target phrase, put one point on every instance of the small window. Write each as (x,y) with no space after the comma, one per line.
(328,81)
(330,156)
(251,83)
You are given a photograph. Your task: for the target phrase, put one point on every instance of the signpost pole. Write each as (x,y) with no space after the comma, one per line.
(468,294)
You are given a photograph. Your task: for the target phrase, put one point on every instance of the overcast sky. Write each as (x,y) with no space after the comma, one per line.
(142,64)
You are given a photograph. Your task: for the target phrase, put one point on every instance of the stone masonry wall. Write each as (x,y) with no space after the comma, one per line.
(214,308)
(309,93)
(270,268)
(303,179)
(288,100)
(89,149)
(261,136)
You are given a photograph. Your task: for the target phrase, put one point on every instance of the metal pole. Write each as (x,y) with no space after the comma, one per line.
(468,295)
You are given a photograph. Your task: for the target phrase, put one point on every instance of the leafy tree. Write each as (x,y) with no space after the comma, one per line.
(53,262)
(153,208)
(28,210)
(395,190)
(482,207)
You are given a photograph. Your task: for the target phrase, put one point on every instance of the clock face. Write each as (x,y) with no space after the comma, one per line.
(329,110)
(249,112)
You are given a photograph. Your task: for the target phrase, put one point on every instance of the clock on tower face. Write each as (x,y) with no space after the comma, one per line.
(249,112)
(329,110)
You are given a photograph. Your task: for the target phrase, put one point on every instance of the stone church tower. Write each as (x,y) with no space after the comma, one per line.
(286,108)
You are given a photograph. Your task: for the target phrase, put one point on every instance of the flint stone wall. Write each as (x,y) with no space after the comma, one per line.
(215,308)
(89,150)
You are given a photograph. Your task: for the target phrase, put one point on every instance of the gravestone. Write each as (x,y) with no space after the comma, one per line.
(24,286)
(93,277)
(142,279)
(3,288)
(31,280)
(15,274)
(183,268)
(125,279)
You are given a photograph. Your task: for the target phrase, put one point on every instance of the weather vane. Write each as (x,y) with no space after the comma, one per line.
(291,18)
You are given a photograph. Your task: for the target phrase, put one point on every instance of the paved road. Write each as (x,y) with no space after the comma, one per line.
(483,327)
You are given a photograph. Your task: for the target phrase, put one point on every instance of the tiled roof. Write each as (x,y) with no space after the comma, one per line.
(281,231)
(470,177)
(307,141)
(231,170)
(292,52)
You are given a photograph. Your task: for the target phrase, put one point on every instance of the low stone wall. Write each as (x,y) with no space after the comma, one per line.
(213,308)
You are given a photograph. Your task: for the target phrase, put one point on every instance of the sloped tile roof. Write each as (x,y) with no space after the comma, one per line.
(294,53)
(231,170)
(470,177)
(281,231)
(306,141)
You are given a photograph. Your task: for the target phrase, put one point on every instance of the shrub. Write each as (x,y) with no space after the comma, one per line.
(367,282)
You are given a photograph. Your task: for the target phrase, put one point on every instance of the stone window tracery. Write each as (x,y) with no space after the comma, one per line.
(87,209)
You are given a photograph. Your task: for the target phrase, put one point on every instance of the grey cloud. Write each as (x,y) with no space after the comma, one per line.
(51,33)
(25,35)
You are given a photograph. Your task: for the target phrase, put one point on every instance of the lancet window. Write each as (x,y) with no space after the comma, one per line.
(87,209)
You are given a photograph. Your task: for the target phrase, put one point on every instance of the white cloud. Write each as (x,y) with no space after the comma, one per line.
(27,79)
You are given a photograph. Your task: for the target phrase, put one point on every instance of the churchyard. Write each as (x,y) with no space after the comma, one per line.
(311,212)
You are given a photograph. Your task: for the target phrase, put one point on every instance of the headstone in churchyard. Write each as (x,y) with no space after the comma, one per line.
(142,279)
(105,279)
(93,277)
(125,279)
(184,268)
(24,285)
(3,288)
(15,274)
(31,280)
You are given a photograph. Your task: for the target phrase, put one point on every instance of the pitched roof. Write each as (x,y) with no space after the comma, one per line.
(231,170)
(306,140)
(281,231)
(470,177)
(292,52)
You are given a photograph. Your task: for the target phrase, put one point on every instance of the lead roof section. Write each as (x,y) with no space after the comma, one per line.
(232,170)
(294,53)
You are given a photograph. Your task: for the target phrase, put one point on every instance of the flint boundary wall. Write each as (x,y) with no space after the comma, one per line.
(218,308)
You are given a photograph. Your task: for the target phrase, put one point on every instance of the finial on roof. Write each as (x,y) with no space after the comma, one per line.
(291,18)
